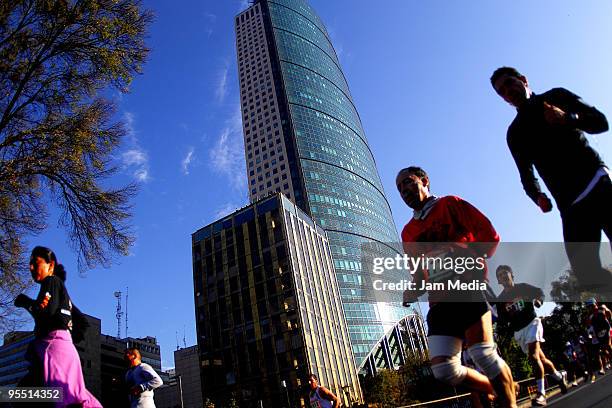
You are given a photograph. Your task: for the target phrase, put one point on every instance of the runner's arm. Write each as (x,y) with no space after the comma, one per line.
(578,114)
(525,168)
(153,380)
(328,395)
(46,303)
(535,294)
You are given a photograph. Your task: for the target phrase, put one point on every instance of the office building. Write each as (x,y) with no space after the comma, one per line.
(183,383)
(13,366)
(268,309)
(187,366)
(304,138)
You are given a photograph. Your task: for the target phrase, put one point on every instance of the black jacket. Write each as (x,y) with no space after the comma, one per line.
(561,154)
(52,308)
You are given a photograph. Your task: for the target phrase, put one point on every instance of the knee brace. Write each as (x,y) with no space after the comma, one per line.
(450,372)
(486,358)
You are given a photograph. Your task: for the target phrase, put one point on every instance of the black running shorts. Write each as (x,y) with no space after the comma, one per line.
(453,319)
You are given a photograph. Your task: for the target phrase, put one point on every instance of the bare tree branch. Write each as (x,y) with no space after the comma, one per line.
(57,135)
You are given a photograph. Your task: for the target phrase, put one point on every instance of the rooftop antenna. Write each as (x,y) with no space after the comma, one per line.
(177,341)
(127,292)
(119,313)
(184,341)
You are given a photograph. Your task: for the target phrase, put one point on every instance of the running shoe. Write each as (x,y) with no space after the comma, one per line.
(539,401)
(574,384)
(562,382)
(602,372)
(592,378)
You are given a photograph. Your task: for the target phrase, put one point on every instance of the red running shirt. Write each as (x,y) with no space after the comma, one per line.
(451,219)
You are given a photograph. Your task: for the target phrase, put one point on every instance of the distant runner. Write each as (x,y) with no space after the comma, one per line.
(598,326)
(515,308)
(321,397)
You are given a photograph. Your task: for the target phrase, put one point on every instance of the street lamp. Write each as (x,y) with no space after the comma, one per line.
(180,386)
(284,384)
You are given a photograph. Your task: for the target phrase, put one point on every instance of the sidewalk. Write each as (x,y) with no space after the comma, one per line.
(553,391)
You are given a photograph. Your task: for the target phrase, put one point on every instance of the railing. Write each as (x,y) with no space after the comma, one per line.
(527,390)
(457,401)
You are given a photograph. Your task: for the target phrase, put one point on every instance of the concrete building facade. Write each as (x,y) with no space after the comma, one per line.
(187,366)
(268,308)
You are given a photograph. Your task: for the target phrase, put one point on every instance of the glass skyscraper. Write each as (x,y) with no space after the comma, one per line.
(303,137)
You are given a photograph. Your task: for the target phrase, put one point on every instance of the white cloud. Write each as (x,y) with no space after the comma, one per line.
(244,4)
(227,155)
(221,89)
(339,48)
(210,19)
(341,51)
(226,209)
(142,175)
(187,161)
(128,119)
(118,96)
(135,159)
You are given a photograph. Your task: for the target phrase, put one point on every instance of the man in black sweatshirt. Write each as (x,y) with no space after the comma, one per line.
(547,134)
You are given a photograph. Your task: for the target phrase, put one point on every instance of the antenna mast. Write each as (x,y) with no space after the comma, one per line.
(127,292)
(119,313)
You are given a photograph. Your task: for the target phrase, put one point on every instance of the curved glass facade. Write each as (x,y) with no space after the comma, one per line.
(290,71)
(340,180)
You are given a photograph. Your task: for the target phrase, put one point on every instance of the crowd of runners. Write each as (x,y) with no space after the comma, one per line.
(590,352)
(547,136)
(580,184)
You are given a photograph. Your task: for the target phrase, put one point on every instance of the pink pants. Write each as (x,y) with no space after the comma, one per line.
(61,367)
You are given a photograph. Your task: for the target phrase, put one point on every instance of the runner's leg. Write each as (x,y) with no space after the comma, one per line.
(482,332)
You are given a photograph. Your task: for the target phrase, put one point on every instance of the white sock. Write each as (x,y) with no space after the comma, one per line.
(541,387)
(558,375)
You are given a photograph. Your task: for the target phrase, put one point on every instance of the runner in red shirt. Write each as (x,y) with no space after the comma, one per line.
(453,220)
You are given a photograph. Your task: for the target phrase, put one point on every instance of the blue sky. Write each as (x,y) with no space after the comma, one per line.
(418,72)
